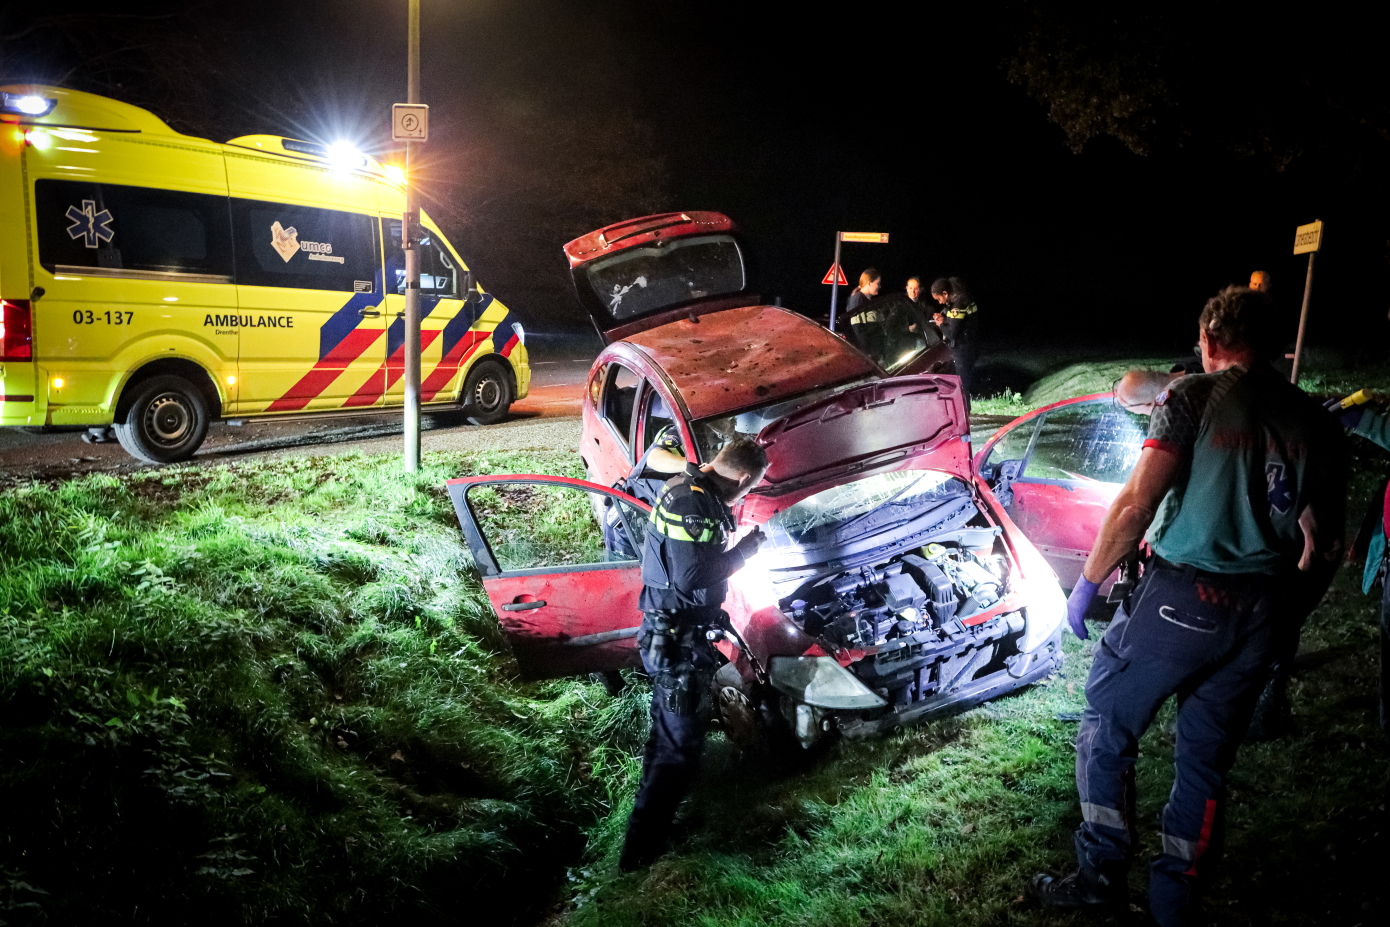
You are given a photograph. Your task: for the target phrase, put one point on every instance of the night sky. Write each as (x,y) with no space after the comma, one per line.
(550,120)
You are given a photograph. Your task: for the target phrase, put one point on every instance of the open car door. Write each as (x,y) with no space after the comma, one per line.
(558,558)
(1057,470)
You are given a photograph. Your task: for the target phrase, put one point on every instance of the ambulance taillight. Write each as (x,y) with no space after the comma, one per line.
(16,330)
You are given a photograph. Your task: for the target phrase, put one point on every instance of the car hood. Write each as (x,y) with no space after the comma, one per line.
(865,429)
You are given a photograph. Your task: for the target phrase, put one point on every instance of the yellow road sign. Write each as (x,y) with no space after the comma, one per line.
(1307,237)
(875,238)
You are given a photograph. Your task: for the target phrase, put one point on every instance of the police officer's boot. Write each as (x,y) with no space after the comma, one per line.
(1086,888)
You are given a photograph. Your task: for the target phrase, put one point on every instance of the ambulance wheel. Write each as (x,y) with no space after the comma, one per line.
(167,421)
(487,394)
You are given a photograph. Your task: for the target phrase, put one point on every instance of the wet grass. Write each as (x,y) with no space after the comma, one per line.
(275,693)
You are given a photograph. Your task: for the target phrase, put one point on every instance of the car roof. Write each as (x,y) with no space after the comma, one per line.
(749,356)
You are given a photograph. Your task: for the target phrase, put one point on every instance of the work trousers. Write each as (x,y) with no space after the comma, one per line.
(1209,639)
(963,357)
(669,764)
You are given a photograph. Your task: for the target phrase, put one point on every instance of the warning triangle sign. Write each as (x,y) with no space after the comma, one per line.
(835,275)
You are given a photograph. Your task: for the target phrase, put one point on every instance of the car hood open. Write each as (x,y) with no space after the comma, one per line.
(866,428)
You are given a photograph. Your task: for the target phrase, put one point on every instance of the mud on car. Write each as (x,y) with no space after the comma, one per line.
(892,586)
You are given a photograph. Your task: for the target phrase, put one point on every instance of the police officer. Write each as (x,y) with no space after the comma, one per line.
(1251,474)
(685,569)
(958,318)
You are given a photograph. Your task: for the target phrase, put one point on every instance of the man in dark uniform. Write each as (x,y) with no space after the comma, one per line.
(685,571)
(1251,474)
(959,321)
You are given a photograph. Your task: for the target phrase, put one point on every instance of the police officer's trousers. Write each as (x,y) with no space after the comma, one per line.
(669,764)
(1209,640)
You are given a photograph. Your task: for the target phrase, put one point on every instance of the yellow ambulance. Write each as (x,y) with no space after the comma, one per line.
(157,282)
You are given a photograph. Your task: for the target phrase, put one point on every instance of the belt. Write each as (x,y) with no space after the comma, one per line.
(1169,565)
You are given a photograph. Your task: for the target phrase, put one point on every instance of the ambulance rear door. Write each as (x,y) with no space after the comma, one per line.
(308,283)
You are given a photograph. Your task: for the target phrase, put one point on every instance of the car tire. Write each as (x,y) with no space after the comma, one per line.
(166,421)
(487,393)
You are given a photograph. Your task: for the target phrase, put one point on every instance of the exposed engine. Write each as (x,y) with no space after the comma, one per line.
(914,614)
(870,606)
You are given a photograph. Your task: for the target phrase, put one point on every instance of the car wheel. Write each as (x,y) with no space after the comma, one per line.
(166,422)
(487,394)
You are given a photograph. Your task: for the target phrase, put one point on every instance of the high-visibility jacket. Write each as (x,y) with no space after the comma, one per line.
(684,564)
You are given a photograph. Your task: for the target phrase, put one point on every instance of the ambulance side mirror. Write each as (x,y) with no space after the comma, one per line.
(470,288)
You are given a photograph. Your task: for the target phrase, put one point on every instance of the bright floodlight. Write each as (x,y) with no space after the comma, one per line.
(395,173)
(344,156)
(27,103)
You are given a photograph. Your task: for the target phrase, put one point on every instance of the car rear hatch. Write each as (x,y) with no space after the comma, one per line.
(635,275)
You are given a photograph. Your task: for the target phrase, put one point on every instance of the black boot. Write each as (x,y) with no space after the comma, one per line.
(1085,888)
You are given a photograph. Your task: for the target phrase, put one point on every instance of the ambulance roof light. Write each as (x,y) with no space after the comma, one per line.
(26,104)
(346,157)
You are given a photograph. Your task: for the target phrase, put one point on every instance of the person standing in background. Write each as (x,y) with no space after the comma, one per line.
(958,318)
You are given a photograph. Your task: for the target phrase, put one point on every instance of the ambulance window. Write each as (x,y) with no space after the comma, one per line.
(439,270)
(120,228)
(619,395)
(305,248)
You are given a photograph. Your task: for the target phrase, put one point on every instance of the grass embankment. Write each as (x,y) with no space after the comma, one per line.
(275,693)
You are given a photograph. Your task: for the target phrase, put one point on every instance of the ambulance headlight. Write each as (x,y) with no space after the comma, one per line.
(822,682)
(345,157)
(26,104)
(520,333)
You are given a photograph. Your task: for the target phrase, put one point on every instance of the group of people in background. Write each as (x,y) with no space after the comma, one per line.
(954,319)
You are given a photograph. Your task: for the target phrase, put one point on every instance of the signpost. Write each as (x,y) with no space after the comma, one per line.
(410,123)
(1307,240)
(836,276)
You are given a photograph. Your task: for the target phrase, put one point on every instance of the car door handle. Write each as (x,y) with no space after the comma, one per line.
(368,313)
(523,606)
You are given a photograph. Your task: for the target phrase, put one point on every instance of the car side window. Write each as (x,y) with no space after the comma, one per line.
(544,525)
(1011,447)
(1094,441)
(440,273)
(305,248)
(127,230)
(655,417)
(619,396)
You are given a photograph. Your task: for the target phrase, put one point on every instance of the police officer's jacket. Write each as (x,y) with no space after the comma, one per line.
(684,564)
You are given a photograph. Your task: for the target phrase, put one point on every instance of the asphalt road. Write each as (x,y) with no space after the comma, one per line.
(547,418)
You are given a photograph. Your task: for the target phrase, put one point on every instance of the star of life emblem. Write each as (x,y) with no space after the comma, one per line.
(285,241)
(89,224)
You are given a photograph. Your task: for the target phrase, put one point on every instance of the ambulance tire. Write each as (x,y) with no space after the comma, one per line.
(487,394)
(167,421)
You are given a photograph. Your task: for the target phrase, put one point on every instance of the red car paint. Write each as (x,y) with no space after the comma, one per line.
(845,433)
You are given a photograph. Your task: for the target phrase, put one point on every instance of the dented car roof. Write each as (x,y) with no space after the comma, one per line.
(745,357)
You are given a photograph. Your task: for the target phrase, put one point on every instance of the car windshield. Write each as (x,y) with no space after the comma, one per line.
(642,280)
(892,330)
(713,433)
(845,512)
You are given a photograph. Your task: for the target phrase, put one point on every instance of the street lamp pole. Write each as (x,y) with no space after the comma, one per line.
(412,260)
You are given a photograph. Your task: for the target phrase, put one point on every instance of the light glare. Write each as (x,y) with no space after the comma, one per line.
(344,156)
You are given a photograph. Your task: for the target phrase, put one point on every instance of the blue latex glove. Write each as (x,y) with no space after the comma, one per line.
(1078,603)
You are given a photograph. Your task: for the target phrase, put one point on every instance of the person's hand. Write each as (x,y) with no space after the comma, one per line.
(749,543)
(938,318)
(1077,604)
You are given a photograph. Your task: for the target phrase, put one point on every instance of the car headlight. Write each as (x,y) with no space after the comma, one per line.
(520,333)
(822,682)
(1046,609)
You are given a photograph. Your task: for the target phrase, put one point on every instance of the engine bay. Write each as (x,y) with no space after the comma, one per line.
(927,590)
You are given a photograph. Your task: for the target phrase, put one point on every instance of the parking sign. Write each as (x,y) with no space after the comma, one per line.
(410,122)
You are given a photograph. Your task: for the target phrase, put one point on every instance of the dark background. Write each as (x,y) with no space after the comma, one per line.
(1093,180)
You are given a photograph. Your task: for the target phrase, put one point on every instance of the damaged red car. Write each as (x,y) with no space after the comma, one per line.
(893,584)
